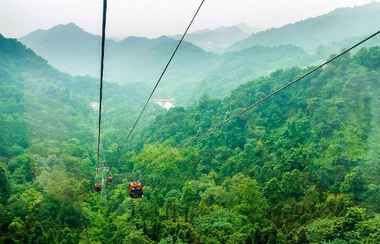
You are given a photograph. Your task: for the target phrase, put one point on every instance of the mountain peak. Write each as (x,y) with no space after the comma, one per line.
(72,25)
(61,33)
(68,27)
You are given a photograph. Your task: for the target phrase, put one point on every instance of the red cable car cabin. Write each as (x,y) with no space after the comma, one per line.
(109,179)
(98,187)
(136,189)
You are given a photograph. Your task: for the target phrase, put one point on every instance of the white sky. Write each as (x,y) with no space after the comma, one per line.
(157,17)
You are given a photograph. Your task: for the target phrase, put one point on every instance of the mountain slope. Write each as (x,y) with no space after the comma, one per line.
(338,25)
(299,169)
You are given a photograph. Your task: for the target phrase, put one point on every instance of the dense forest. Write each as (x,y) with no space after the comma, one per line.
(303,168)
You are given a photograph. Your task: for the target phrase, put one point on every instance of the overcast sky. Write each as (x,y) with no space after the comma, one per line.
(157,17)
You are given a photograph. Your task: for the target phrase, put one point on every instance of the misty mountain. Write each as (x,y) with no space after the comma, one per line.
(68,48)
(338,25)
(139,60)
(133,60)
(219,39)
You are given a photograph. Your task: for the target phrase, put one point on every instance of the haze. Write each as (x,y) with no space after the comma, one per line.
(155,18)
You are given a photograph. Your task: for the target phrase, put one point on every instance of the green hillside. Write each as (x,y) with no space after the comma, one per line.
(37,99)
(336,26)
(303,168)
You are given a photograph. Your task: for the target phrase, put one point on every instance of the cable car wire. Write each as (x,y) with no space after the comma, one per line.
(133,128)
(104,25)
(290,84)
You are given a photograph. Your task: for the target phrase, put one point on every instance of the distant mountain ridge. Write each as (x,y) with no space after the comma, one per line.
(63,47)
(336,26)
(140,60)
(70,43)
(132,60)
(219,39)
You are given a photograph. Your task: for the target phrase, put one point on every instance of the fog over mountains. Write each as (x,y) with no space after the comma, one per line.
(140,60)
(132,60)
(220,59)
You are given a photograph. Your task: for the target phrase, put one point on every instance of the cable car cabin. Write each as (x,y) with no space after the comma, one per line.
(136,189)
(98,187)
(109,179)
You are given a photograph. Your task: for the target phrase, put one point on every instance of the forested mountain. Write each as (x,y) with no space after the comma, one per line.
(336,26)
(303,168)
(219,39)
(40,103)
